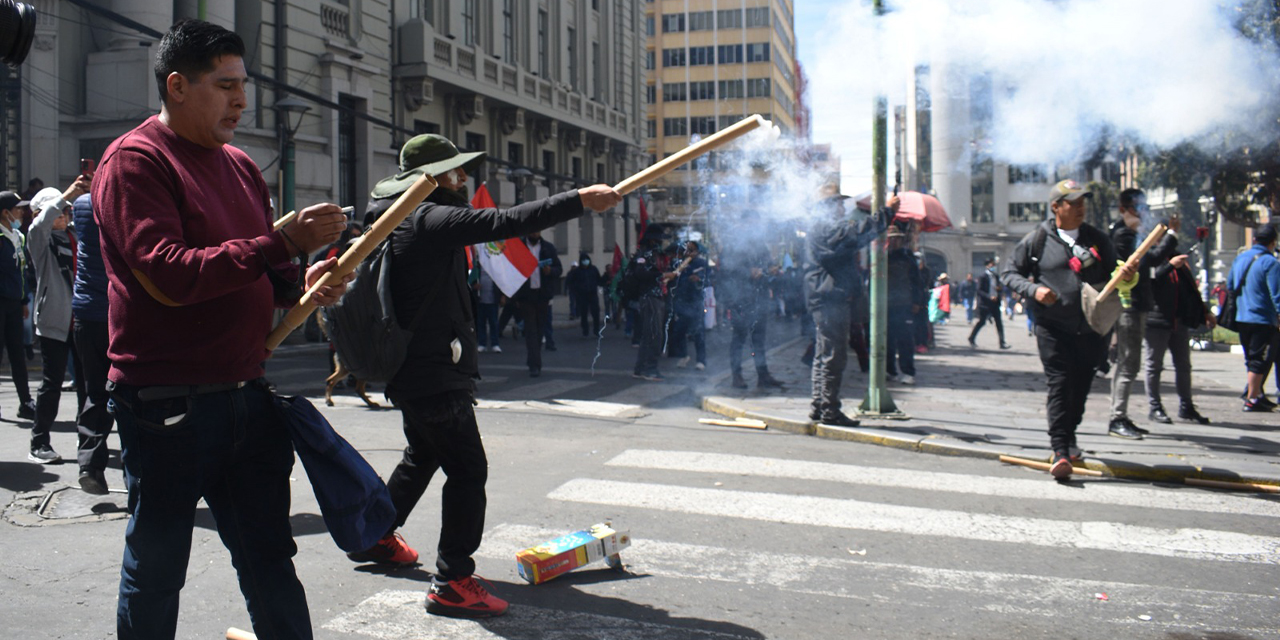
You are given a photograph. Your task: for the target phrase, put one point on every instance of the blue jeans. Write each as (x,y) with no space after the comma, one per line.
(487,332)
(232,449)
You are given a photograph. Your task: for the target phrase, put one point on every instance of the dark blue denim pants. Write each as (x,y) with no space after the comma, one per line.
(232,449)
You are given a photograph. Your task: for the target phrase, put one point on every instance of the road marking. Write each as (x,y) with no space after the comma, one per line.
(397,615)
(646,393)
(1094,492)
(590,408)
(829,577)
(548,389)
(1198,544)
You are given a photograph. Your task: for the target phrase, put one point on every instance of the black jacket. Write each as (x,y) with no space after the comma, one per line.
(1065,314)
(549,283)
(1126,242)
(736,289)
(1176,300)
(833,275)
(904,284)
(428,247)
(988,289)
(582,280)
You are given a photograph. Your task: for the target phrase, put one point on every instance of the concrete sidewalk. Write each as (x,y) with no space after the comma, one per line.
(987,403)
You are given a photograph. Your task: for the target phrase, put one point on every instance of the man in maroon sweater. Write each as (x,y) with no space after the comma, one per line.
(195,271)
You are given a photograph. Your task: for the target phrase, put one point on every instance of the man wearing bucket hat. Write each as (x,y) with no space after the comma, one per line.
(435,387)
(1047,268)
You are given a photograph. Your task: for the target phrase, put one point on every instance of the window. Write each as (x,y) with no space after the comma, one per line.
(758,88)
(757,17)
(1027,173)
(673,57)
(508,32)
(782,68)
(549,161)
(597,77)
(675,127)
(1028,211)
(573,58)
(924,130)
(348,159)
(575,168)
(422,126)
(982,192)
(648,25)
(675,92)
(600,172)
(782,34)
(544,64)
(731,89)
(702,56)
(701,20)
(515,153)
(729,53)
(702,90)
(702,125)
(726,122)
(653,128)
(469,22)
(758,52)
(474,142)
(650,62)
(651,94)
(672,22)
(729,19)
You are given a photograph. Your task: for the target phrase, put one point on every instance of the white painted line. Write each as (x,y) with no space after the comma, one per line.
(590,408)
(401,615)
(645,393)
(1198,544)
(1182,499)
(829,577)
(548,389)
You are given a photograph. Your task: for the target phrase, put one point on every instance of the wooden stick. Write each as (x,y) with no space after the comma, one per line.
(1238,486)
(1044,466)
(1152,239)
(706,145)
(746,423)
(357,252)
(284,220)
(240,634)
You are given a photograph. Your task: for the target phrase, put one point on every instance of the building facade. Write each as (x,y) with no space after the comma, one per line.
(551,89)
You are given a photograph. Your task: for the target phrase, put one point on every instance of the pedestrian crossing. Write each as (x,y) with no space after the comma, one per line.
(655,485)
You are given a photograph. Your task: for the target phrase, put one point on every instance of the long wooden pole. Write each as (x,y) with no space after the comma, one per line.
(1044,466)
(706,145)
(357,252)
(1152,238)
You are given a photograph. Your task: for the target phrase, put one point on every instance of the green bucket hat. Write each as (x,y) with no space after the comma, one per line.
(428,154)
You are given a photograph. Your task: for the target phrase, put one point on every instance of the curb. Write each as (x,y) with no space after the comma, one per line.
(938,445)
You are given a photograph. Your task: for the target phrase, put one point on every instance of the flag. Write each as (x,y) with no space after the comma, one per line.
(508,262)
(617,259)
(644,220)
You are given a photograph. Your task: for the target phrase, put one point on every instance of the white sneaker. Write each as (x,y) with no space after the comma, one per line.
(684,362)
(481,349)
(496,349)
(907,380)
(700,366)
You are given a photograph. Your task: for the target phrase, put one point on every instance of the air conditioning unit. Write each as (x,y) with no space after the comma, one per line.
(415,42)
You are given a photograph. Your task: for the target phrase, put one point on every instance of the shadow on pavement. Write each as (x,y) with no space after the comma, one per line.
(21,477)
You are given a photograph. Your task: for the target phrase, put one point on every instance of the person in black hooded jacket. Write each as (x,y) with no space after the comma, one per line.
(1176,309)
(435,387)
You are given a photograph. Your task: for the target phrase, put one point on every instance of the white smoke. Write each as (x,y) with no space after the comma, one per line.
(1157,72)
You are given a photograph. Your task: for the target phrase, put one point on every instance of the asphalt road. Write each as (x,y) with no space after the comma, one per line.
(736,533)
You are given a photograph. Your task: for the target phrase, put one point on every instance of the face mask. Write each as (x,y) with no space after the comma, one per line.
(586,263)
(16,225)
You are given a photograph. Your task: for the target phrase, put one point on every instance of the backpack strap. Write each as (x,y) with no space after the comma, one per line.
(1037,250)
(1244,277)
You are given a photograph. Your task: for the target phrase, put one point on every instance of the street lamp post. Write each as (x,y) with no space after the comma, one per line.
(290,111)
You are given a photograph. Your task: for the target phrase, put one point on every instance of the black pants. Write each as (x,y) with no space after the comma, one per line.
(534,314)
(988,310)
(651,327)
(1070,361)
(900,343)
(53,357)
(11,333)
(589,303)
(94,422)
(747,323)
(831,339)
(442,434)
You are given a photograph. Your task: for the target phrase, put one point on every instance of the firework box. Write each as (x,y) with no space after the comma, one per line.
(553,558)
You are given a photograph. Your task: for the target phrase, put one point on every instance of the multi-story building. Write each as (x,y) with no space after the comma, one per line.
(711,63)
(549,88)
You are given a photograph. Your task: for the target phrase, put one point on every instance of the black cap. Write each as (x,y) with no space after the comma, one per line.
(1265,234)
(9,200)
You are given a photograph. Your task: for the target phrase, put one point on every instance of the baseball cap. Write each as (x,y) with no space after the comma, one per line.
(9,200)
(1068,190)
(1265,234)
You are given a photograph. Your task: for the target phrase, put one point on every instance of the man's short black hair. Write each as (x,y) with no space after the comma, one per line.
(1129,197)
(192,47)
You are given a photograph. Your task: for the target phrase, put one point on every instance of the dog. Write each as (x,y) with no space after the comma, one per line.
(340,373)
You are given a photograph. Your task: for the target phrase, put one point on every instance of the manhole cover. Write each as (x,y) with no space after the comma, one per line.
(67,503)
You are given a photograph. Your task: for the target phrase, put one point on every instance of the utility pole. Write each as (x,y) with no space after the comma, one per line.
(878,402)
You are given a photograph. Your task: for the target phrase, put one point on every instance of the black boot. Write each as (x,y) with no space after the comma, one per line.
(738,381)
(764,379)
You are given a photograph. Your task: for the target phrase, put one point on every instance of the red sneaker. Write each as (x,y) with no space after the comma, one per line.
(1060,468)
(390,550)
(463,598)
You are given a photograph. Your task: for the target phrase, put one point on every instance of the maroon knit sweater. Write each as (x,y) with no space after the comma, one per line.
(194,224)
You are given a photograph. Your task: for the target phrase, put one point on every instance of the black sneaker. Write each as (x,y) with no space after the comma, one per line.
(1158,415)
(1189,414)
(93,481)
(44,454)
(1256,405)
(27,410)
(1005,345)
(738,381)
(1121,428)
(838,419)
(764,379)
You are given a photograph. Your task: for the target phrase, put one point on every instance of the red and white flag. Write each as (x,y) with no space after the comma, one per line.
(508,262)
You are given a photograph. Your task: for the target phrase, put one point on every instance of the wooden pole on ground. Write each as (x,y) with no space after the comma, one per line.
(1238,486)
(1044,466)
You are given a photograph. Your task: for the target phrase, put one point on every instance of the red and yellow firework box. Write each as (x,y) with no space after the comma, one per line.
(540,563)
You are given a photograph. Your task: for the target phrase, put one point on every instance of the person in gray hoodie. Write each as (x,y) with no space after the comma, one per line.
(53,253)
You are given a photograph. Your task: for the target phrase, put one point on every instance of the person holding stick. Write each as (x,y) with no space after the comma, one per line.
(435,387)
(195,272)
(1048,267)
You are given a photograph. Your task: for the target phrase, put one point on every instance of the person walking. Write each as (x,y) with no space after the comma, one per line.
(53,255)
(688,298)
(747,294)
(1176,309)
(15,294)
(196,273)
(435,387)
(645,288)
(1047,268)
(534,298)
(831,284)
(988,292)
(968,294)
(906,297)
(488,334)
(586,288)
(89,307)
(1256,278)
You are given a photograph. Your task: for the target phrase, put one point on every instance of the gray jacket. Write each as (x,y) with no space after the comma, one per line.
(53,288)
(1022,274)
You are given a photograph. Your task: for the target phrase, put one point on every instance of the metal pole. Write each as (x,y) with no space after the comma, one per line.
(878,402)
(288,172)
